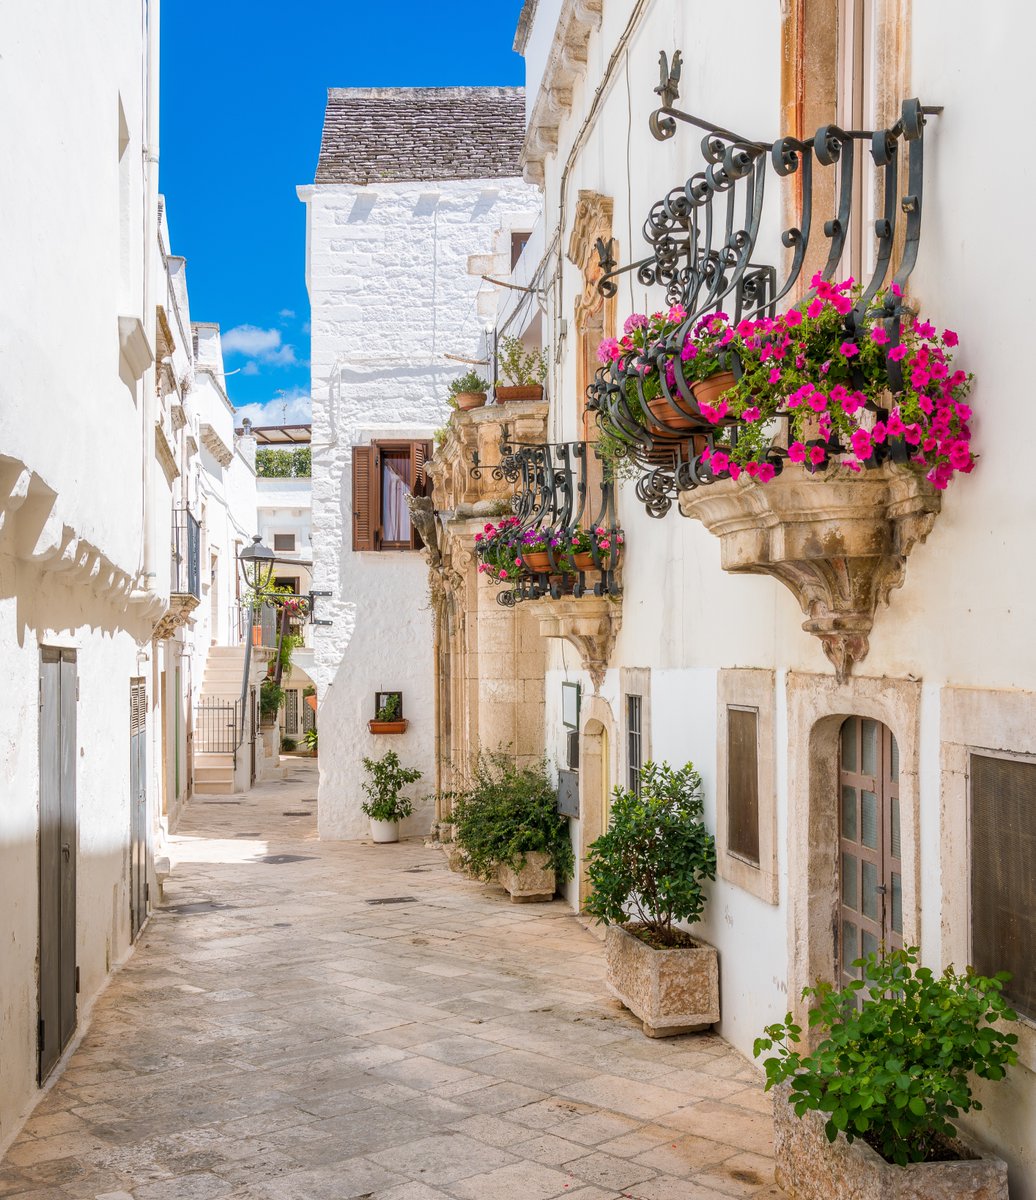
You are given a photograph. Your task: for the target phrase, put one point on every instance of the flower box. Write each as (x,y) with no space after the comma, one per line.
(672,991)
(466,401)
(809,1167)
(534,883)
(387,726)
(529,392)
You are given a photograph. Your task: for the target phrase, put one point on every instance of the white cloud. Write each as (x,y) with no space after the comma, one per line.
(286,312)
(292,407)
(262,345)
(250,368)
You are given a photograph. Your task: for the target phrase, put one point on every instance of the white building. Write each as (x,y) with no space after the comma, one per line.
(410,183)
(698,662)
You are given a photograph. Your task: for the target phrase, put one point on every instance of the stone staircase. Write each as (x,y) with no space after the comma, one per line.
(214,772)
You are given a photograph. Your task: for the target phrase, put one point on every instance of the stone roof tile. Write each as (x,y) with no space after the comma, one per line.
(382,135)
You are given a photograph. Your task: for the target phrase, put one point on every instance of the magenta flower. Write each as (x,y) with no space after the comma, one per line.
(720,461)
(816,455)
(817,402)
(793,318)
(503,574)
(960,455)
(894,425)
(635,321)
(879,431)
(861,444)
(816,307)
(841,304)
(608,350)
(797,452)
(775,375)
(949,338)
(689,351)
(963,411)
(879,336)
(897,290)
(766,472)
(898,353)
(848,349)
(925,329)
(751,414)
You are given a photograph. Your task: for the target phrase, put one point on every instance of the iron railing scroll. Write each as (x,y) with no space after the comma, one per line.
(186,561)
(707,252)
(562,493)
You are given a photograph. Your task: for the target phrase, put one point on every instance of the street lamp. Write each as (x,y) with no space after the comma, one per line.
(257,566)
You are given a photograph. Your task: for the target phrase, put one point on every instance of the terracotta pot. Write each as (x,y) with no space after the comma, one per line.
(708,391)
(662,411)
(538,561)
(584,560)
(469,400)
(387,726)
(533,391)
(311,701)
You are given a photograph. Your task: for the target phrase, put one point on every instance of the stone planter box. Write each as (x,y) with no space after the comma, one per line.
(809,1167)
(671,991)
(533,883)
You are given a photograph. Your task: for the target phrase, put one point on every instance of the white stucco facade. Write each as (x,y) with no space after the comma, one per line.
(948,631)
(391,296)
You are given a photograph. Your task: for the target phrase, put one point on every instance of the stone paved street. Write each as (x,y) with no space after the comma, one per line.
(279,1035)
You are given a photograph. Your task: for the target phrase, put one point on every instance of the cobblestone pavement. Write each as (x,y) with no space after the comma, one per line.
(281,1035)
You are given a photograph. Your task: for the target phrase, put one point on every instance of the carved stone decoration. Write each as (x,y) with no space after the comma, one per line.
(594,314)
(838,541)
(422,515)
(590,623)
(178,614)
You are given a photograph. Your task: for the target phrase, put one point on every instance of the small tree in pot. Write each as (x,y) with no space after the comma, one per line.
(523,370)
(891,1073)
(467,392)
(385,804)
(647,874)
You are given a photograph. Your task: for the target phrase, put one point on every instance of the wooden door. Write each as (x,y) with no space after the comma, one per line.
(870,869)
(58,981)
(138,806)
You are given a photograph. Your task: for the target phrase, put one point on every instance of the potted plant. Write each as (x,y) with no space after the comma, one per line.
(508,828)
(467,392)
(869,1112)
(498,548)
(536,547)
(385,804)
(646,873)
(582,543)
(310,738)
(271,697)
(388,716)
(524,370)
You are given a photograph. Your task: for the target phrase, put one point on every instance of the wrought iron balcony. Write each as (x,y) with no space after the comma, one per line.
(709,252)
(186,548)
(562,501)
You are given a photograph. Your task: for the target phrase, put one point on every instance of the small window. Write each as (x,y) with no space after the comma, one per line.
(634,742)
(283,541)
(1003,887)
(384,475)
(518,243)
(743,783)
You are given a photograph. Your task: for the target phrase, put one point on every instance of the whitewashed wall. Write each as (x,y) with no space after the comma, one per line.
(950,624)
(390,296)
(84,505)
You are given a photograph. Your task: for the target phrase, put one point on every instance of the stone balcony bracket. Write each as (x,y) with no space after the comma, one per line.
(590,623)
(177,615)
(838,541)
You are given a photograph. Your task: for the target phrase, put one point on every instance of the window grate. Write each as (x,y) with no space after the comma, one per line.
(634,742)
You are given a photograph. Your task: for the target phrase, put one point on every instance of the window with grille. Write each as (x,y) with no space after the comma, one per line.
(291,711)
(743,783)
(384,474)
(1003,883)
(634,742)
(284,541)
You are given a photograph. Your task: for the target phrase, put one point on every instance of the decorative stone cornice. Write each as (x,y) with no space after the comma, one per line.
(134,346)
(164,454)
(215,445)
(838,541)
(177,615)
(566,65)
(590,623)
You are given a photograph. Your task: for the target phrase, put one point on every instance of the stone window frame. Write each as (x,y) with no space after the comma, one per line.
(634,681)
(817,705)
(752,688)
(975,721)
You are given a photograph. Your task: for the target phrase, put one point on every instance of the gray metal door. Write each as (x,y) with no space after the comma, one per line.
(58,977)
(138,806)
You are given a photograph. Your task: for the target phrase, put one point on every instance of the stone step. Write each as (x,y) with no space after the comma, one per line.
(213,774)
(216,788)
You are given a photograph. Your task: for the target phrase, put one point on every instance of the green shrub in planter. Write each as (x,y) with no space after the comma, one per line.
(508,812)
(271,697)
(310,737)
(384,787)
(288,744)
(649,867)
(900,1044)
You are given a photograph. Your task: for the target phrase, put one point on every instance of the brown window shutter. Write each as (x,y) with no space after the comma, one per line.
(364,511)
(420,452)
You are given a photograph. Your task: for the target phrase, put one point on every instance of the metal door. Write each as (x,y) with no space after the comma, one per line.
(138,806)
(58,979)
(869,865)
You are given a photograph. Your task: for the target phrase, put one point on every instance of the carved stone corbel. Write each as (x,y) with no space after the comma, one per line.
(838,541)
(590,623)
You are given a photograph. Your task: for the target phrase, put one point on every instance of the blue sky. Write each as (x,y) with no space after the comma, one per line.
(242,105)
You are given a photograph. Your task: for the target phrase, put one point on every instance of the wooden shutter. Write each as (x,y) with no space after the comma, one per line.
(420,484)
(743,783)
(365,498)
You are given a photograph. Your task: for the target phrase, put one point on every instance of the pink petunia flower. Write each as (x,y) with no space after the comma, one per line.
(793,318)
(766,472)
(925,329)
(848,349)
(861,444)
(898,353)
(797,452)
(608,350)
(949,338)
(720,461)
(816,455)
(879,336)
(816,307)
(879,432)
(817,402)
(751,414)
(894,424)
(775,375)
